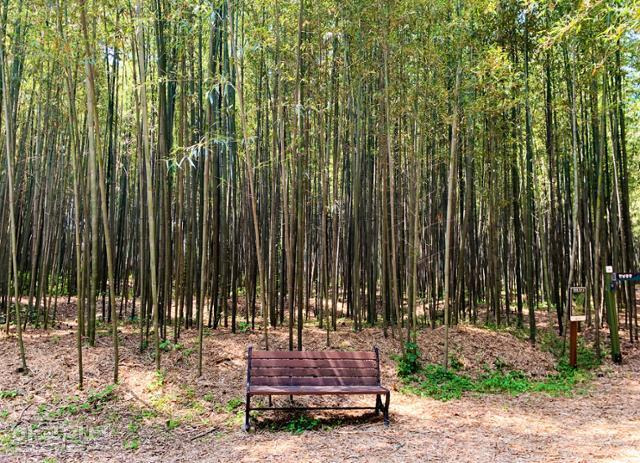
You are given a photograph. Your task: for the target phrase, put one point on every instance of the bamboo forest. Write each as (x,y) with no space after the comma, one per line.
(222,219)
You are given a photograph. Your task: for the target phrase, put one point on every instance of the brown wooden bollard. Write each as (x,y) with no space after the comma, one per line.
(573,344)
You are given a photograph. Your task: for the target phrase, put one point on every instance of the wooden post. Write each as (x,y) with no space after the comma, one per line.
(573,344)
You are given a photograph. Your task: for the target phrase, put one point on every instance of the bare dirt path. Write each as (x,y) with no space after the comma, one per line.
(601,426)
(177,417)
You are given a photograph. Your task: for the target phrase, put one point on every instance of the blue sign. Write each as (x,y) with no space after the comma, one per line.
(631,277)
(618,278)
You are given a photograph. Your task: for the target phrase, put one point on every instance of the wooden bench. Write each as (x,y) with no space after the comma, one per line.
(292,373)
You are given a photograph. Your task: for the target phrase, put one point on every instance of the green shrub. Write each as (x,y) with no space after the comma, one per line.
(409,362)
(436,382)
(165,345)
(243,327)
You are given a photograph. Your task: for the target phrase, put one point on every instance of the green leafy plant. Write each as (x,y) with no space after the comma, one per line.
(513,382)
(301,424)
(234,403)
(102,396)
(69,409)
(433,381)
(189,392)
(158,381)
(587,357)
(172,424)
(436,382)
(132,444)
(94,401)
(10,394)
(243,327)
(165,345)
(133,427)
(148,413)
(409,361)
(455,363)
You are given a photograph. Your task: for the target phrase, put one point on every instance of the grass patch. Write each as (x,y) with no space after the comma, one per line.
(8,441)
(132,444)
(433,381)
(10,394)
(133,427)
(299,425)
(233,404)
(551,342)
(102,396)
(146,414)
(164,403)
(189,393)
(95,401)
(158,381)
(172,424)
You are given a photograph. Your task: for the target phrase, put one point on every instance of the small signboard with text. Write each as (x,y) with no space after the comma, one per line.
(628,277)
(618,279)
(578,312)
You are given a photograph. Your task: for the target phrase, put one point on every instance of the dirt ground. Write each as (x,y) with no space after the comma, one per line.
(174,416)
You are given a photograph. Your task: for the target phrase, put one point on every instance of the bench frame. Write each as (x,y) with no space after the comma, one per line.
(329,390)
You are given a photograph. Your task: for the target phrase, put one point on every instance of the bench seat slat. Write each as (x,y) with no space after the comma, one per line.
(313,363)
(308,381)
(315,390)
(364,355)
(314,372)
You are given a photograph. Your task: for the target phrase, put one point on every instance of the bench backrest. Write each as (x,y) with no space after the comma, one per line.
(311,368)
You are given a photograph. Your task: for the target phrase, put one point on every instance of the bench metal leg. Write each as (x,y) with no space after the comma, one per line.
(378,404)
(246,414)
(270,403)
(386,408)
